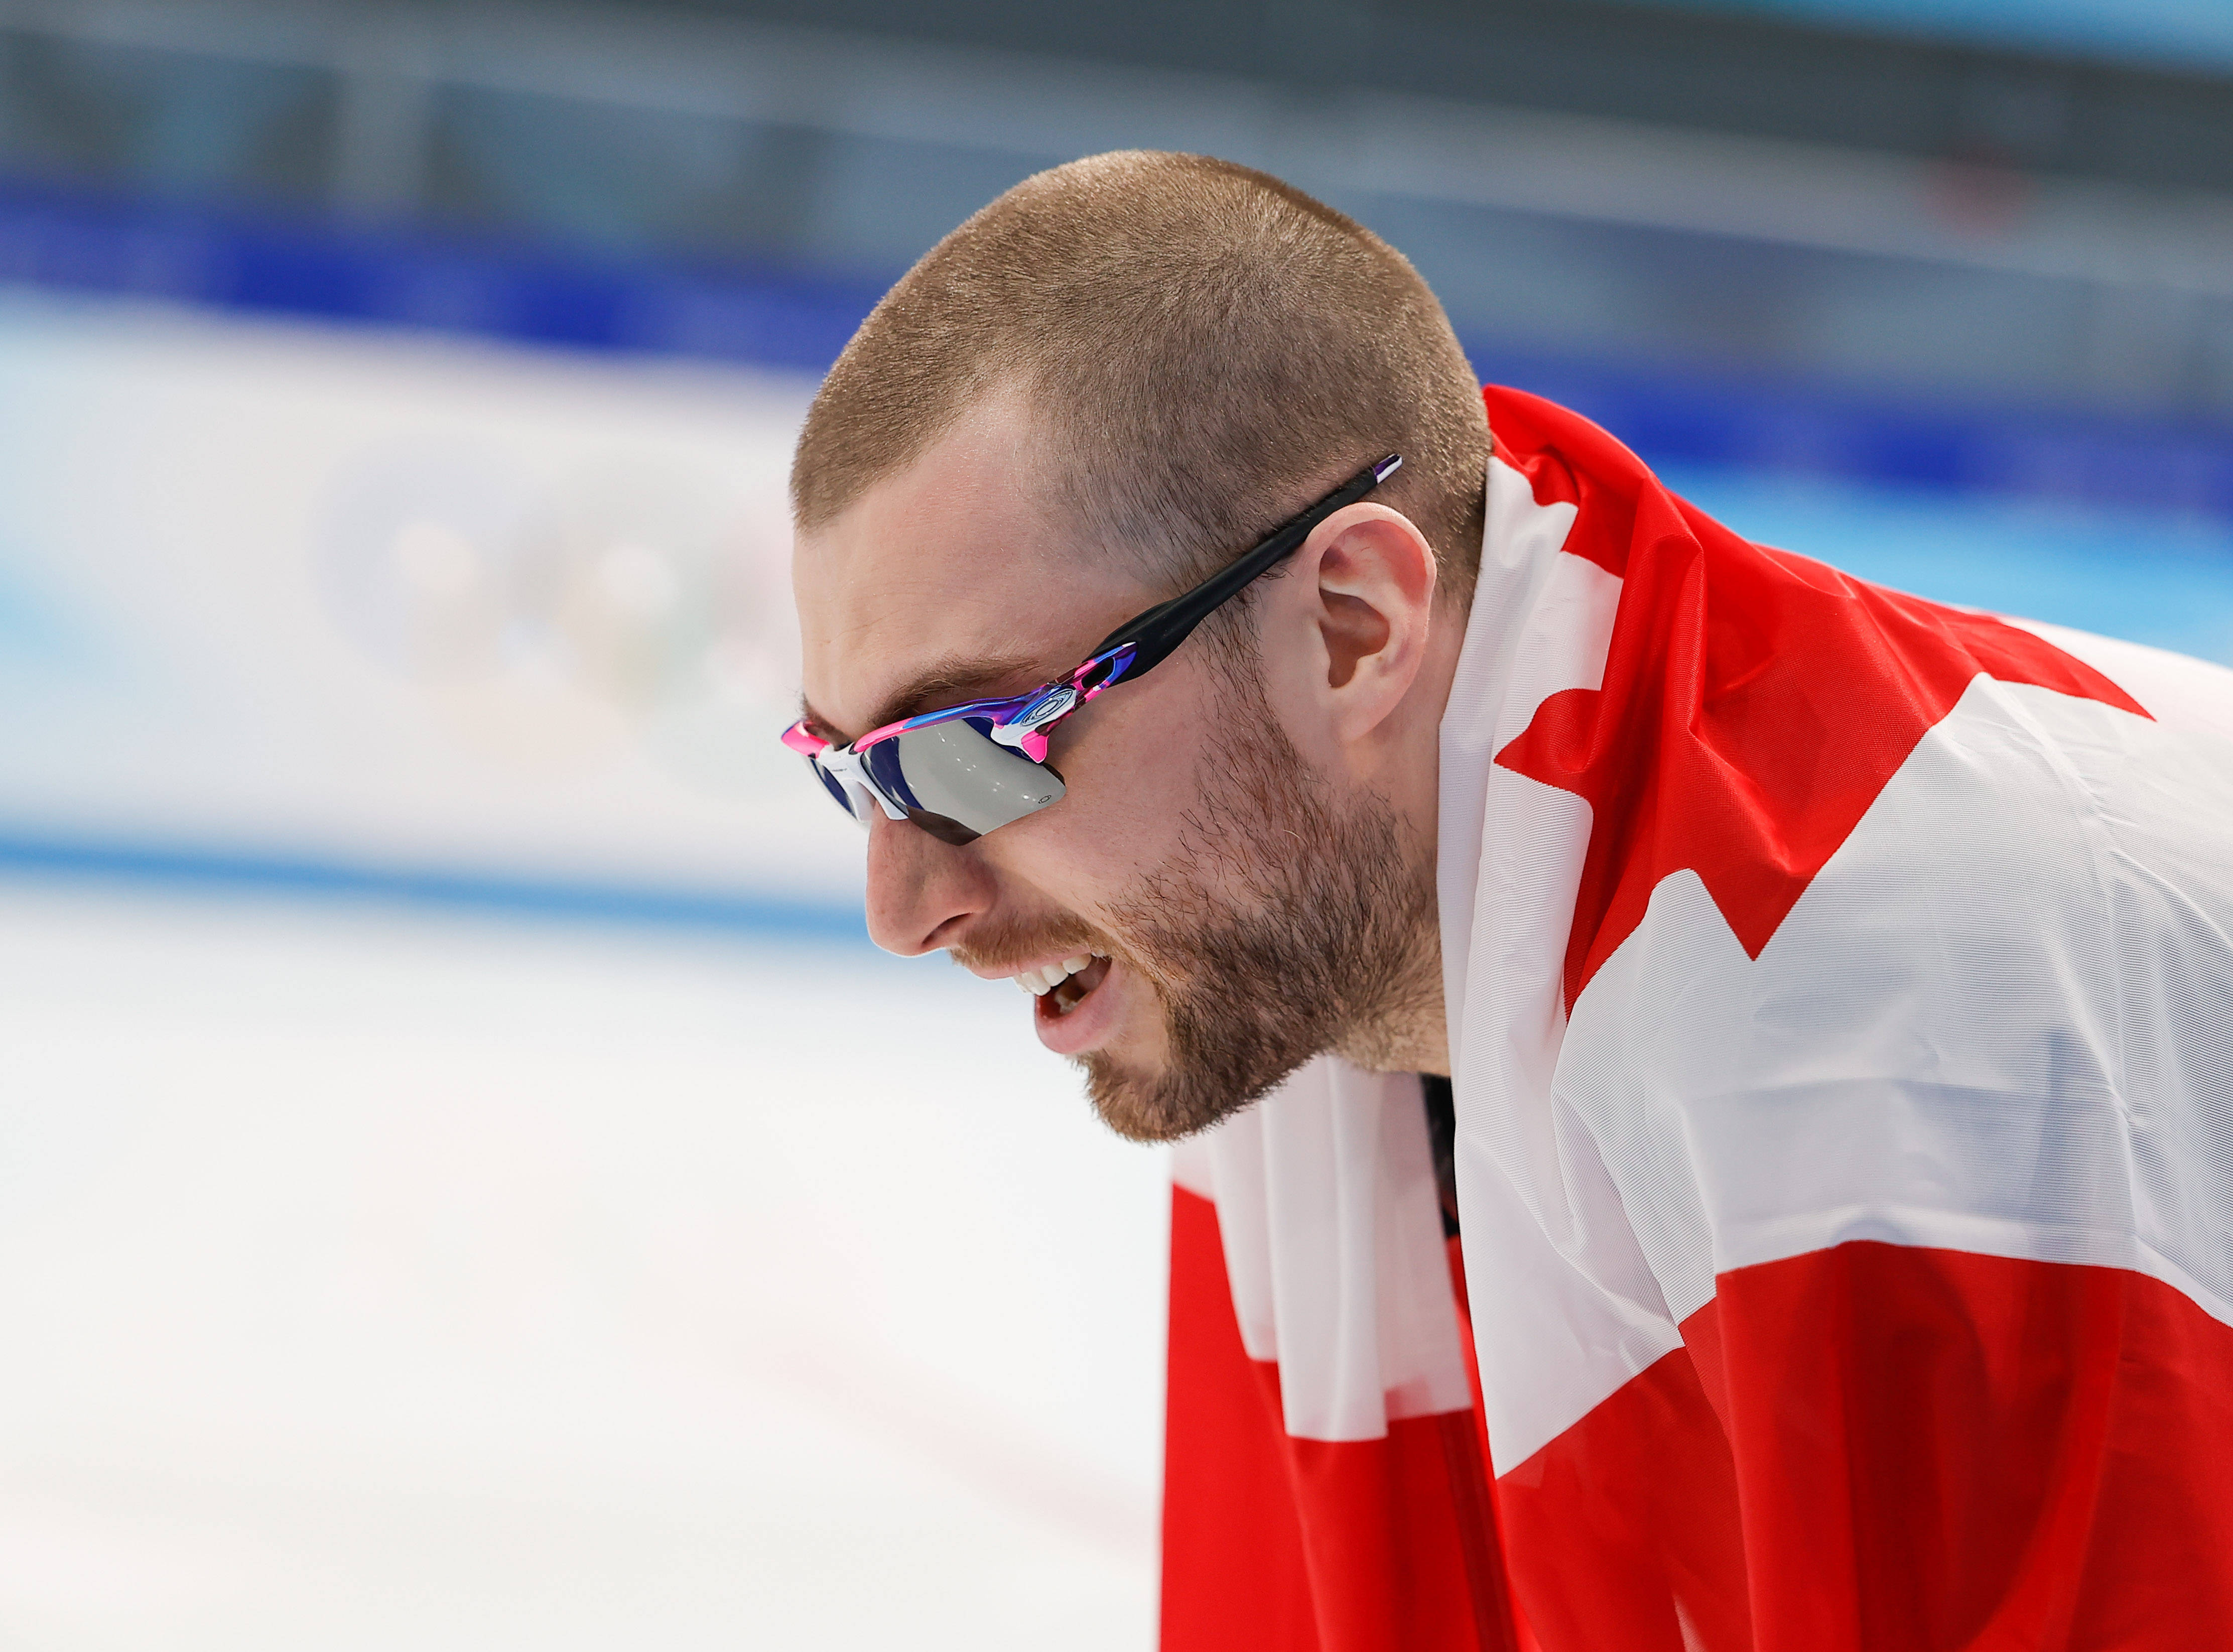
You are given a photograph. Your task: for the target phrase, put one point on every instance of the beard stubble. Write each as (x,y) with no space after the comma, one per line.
(1287,923)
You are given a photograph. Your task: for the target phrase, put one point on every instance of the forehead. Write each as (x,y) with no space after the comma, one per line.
(947,563)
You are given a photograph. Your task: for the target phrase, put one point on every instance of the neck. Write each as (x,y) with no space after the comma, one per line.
(1414,1038)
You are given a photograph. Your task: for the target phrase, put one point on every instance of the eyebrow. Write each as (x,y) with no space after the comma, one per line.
(951,681)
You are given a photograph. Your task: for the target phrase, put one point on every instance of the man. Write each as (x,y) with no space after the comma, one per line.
(1835,989)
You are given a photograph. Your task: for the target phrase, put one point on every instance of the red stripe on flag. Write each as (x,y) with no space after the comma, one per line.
(1886,1447)
(1278,1544)
(1233,1572)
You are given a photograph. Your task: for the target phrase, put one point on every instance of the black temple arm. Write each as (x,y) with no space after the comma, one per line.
(1155,633)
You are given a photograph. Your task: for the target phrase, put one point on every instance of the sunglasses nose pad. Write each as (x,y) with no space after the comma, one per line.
(864,800)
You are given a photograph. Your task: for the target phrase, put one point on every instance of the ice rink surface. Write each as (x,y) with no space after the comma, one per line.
(376,1279)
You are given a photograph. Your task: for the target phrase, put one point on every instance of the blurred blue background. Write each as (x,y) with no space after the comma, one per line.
(454,1188)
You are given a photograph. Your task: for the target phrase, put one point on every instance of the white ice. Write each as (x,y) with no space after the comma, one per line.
(373,1280)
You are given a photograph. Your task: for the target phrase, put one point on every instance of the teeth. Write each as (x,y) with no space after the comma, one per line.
(1043,980)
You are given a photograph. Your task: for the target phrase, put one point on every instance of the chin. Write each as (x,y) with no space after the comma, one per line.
(1169,1103)
(1127,1101)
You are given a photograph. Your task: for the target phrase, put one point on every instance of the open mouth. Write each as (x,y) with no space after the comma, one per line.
(1060,988)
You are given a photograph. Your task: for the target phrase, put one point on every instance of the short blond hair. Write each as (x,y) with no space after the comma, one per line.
(1201,349)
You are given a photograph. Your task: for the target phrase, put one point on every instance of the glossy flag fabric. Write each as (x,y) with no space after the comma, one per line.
(1841,1009)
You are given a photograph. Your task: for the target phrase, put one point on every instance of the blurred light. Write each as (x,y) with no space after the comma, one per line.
(2172,33)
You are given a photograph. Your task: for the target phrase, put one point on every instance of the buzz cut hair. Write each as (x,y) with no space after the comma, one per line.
(1201,350)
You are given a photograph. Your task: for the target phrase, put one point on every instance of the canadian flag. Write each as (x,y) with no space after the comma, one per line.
(1840,992)
(1326,1477)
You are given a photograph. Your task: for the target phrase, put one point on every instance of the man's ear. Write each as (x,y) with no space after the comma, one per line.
(1363,583)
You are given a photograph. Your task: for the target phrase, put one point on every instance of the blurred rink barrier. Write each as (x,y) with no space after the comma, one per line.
(337,600)
(465,1182)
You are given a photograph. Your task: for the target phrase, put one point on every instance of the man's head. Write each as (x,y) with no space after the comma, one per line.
(1102,387)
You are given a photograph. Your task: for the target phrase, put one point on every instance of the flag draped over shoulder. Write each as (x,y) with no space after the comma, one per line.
(1840,992)
(1325,1479)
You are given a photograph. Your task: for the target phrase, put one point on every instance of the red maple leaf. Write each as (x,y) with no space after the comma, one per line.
(1754,703)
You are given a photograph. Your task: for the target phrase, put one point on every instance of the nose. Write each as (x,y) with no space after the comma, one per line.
(921,893)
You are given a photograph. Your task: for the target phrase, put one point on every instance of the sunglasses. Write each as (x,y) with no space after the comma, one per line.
(967,770)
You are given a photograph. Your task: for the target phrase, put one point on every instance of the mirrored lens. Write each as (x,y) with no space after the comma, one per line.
(956,783)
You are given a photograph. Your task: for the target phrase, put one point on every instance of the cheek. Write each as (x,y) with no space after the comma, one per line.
(1132,778)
